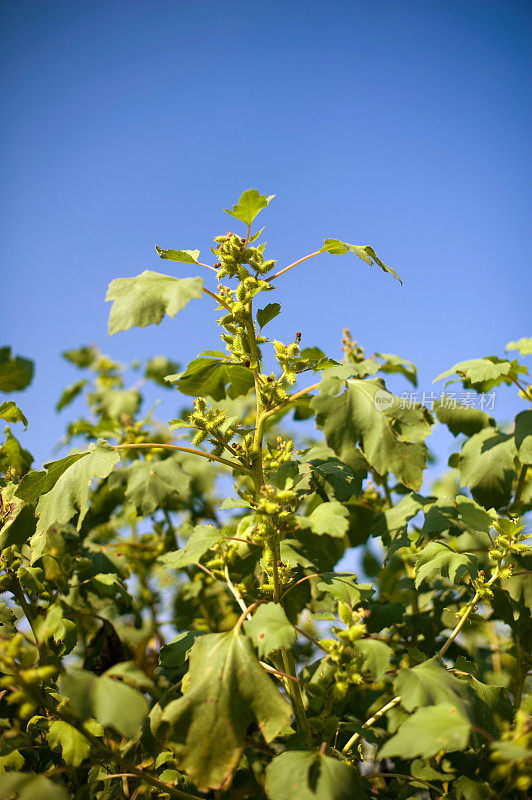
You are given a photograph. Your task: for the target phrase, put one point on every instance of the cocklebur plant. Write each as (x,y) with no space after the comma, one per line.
(156,641)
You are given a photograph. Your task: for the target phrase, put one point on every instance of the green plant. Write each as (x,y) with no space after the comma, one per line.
(155,641)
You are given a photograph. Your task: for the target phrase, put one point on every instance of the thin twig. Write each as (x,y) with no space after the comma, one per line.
(193,450)
(291,266)
(217,298)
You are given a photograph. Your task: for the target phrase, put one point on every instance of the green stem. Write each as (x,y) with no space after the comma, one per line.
(28,613)
(520,484)
(193,450)
(371,721)
(471,605)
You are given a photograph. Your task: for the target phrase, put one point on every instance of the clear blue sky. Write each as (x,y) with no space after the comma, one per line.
(399,123)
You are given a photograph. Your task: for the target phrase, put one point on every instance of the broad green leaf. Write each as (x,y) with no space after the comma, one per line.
(74,746)
(116,403)
(34,484)
(83,357)
(70,394)
(231,503)
(486,466)
(375,657)
(341,477)
(19,523)
(150,484)
(12,413)
(466,789)
(460,418)
(393,522)
(11,761)
(327,518)
(111,702)
(145,300)
(13,456)
(249,205)
(184,256)
(440,560)
(429,731)
(15,372)
(70,492)
(523,436)
(483,373)
(227,691)
(265,315)
(390,436)
(524,346)
(343,586)
(429,684)
(7,622)
(158,368)
(364,251)
(176,653)
(27,786)
(211,377)
(396,364)
(270,629)
(202,539)
(306,775)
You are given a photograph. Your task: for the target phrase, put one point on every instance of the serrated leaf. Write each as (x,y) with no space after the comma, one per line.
(7,622)
(210,377)
(466,789)
(270,629)
(341,477)
(145,300)
(375,657)
(343,586)
(176,653)
(203,537)
(330,519)
(524,346)
(395,364)
(523,436)
(34,484)
(440,560)
(310,776)
(67,484)
(393,522)
(231,503)
(484,373)
(70,394)
(158,368)
(460,418)
(83,357)
(150,484)
(15,372)
(429,731)
(74,746)
(227,691)
(265,315)
(249,205)
(184,256)
(27,786)
(13,456)
(12,413)
(429,684)
(112,703)
(486,466)
(364,251)
(389,436)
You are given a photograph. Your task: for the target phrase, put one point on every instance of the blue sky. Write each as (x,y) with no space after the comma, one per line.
(401,124)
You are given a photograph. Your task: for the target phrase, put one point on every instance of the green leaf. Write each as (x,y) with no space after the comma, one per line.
(429,731)
(70,393)
(7,622)
(202,539)
(270,629)
(184,256)
(460,418)
(27,786)
(158,368)
(466,789)
(116,403)
(393,522)
(176,653)
(83,357)
(111,702)
(70,485)
(484,373)
(524,346)
(304,775)
(327,518)
(15,372)
(486,466)
(145,300)
(523,436)
(74,746)
(150,484)
(249,205)
(375,657)
(34,484)
(228,690)
(265,315)
(343,586)
(364,251)
(429,684)
(325,465)
(396,364)
(12,413)
(440,560)
(389,435)
(210,377)
(231,503)
(13,456)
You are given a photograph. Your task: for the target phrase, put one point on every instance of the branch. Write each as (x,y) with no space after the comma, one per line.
(215,297)
(193,450)
(300,261)
(371,721)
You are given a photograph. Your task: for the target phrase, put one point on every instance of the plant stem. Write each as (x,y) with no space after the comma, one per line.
(520,484)
(290,266)
(465,615)
(28,613)
(193,450)
(371,721)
